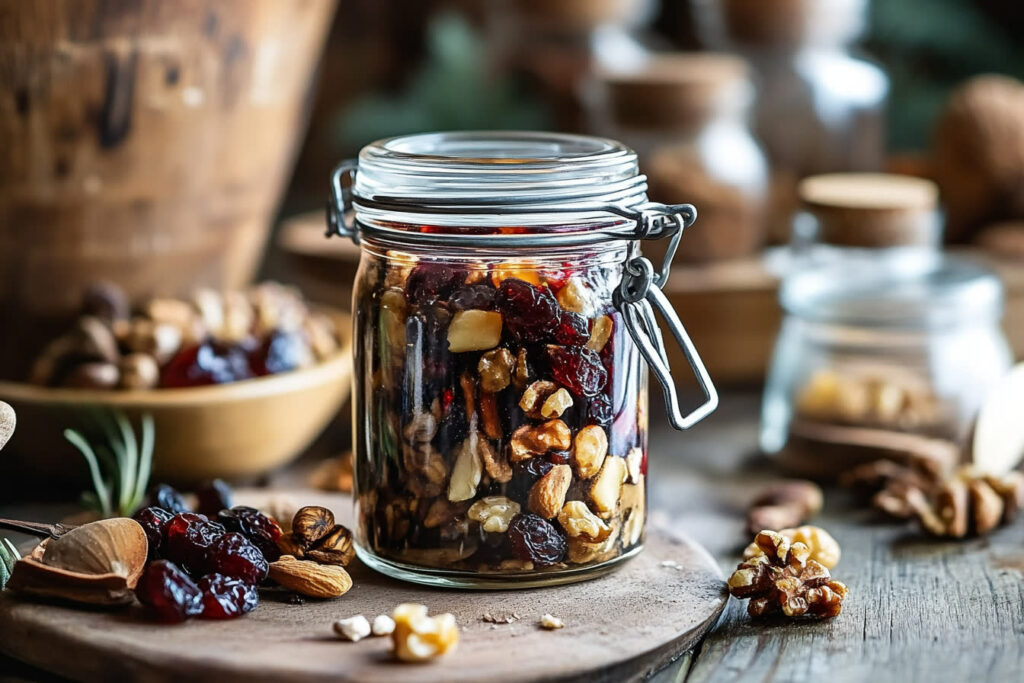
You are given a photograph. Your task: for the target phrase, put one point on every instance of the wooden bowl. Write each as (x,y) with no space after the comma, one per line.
(235,431)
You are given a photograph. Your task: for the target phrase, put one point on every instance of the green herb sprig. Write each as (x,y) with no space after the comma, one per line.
(119,463)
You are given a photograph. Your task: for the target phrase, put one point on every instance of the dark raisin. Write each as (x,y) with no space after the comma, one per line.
(453,429)
(168,498)
(534,539)
(168,593)
(281,352)
(214,496)
(530,313)
(432,281)
(233,555)
(599,410)
(479,296)
(187,539)
(572,329)
(558,457)
(207,363)
(152,521)
(578,369)
(262,531)
(225,597)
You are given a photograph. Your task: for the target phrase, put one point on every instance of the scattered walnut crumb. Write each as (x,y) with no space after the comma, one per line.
(551,623)
(352,629)
(505,619)
(383,625)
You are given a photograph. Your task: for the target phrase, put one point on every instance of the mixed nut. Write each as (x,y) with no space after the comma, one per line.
(503,414)
(213,338)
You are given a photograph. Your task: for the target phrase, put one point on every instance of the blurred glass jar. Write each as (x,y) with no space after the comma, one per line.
(819,108)
(880,344)
(502,325)
(686,116)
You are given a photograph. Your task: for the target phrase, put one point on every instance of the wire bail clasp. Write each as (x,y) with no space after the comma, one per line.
(340,203)
(638,296)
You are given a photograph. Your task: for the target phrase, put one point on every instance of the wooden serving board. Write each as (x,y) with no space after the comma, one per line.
(619,627)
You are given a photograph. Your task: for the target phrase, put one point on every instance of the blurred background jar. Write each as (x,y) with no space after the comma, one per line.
(686,117)
(876,348)
(819,107)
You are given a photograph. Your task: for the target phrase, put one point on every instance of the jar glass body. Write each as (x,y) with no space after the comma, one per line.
(499,414)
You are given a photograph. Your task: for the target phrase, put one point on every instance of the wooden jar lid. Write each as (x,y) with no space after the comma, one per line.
(871,209)
(784,23)
(671,90)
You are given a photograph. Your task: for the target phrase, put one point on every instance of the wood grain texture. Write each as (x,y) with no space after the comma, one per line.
(618,628)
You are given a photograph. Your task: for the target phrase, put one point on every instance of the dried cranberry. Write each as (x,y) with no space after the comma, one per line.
(152,520)
(214,496)
(479,296)
(599,410)
(572,330)
(534,539)
(225,597)
(188,537)
(207,363)
(531,313)
(168,498)
(168,592)
(281,352)
(262,531)
(432,281)
(578,369)
(233,555)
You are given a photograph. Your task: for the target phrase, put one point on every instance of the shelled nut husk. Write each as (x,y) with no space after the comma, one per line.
(97,564)
(964,502)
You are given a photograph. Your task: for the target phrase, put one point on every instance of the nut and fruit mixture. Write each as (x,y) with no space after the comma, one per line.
(214,338)
(501,408)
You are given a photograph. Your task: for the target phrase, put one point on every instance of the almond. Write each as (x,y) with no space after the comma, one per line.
(310,578)
(474,330)
(547,496)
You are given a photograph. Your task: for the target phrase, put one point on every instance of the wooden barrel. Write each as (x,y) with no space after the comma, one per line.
(142,142)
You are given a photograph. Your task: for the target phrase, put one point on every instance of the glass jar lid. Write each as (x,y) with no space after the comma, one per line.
(894,292)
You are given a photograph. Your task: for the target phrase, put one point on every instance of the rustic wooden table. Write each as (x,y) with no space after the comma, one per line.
(919,610)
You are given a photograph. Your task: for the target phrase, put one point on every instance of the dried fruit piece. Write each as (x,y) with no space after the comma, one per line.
(168,498)
(783,579)
(572,329)
(152,520)
(607,485)
(494,513)
(601,333)
(311,578)
(531,313)
(579,522)
(589,450)
(213,497)
(188,537)
(467,471)
(233,555)
(474,331)
(418,637)
(534,396)
(352,629)
(261,530)
(168,593)
(578,369)
(822,546)
(495,370)
(479,296)
(432,281)
(536,540)
(547,496)
(556,404)
(520,269)
(225,597)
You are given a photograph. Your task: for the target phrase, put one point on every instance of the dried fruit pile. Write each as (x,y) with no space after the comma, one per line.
(212,569)
(503,414)
(212,339)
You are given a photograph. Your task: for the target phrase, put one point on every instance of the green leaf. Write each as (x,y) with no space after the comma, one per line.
(102,492)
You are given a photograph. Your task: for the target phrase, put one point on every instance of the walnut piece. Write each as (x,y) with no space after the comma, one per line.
(556,404)
(551,623)
(383,625)
(495,370)
(547,495)
(579,522)
(824,548)
(528,441)
(418,637)
(783,579)
(783,505)
(534,397)
(494,513)
(601,333)
(474,330)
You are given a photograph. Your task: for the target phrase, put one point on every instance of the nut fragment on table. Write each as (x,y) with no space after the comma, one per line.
(784,505)
(824,548)
(310,578)
(783,579)
(418,637)
(352,629)
(551,623)
(383,625)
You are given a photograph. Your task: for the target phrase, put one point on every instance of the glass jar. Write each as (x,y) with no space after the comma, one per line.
(503,315)
(881,345)
(686,116)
